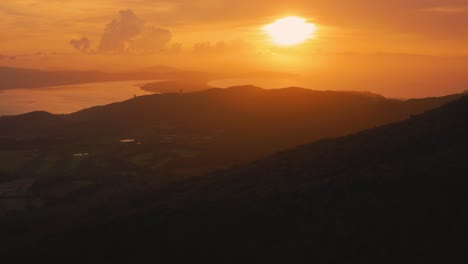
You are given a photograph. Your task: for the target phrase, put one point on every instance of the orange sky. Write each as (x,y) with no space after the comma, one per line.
(202,34)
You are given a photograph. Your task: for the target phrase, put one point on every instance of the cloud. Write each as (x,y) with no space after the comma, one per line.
(222,47)
(176,47)
(151,39)
(7,57)
(448,9)
(119,33)
(387,17)
(128,34)
(81,45)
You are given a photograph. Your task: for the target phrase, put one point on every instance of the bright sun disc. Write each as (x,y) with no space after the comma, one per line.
(290,31)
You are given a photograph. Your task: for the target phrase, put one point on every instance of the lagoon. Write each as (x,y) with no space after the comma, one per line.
(69,98)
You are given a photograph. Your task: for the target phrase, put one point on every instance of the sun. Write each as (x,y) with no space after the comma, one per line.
(290,31)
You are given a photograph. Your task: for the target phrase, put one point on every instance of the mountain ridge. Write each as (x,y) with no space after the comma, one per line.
(388,193)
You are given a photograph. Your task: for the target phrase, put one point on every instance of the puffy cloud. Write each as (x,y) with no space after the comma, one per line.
(81,45)
(151,39)
(118,34)
(128,34)
(202,47)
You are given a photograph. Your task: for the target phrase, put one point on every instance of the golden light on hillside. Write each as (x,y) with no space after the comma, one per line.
(290,31)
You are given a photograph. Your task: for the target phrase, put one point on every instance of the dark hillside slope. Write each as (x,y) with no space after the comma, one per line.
(394,194)
(247,120)
(59,170)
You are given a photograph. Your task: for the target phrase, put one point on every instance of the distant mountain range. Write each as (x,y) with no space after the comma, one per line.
(385,194)
(12,78)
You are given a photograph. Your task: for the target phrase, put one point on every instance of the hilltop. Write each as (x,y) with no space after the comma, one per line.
(151,153)
(392,193)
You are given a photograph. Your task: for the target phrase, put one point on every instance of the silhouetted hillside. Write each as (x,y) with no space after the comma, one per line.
(236,107)
(177,86)
(390,194)
(232,125)
(386,194)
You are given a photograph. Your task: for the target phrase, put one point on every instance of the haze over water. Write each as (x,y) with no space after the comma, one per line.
(69,98)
